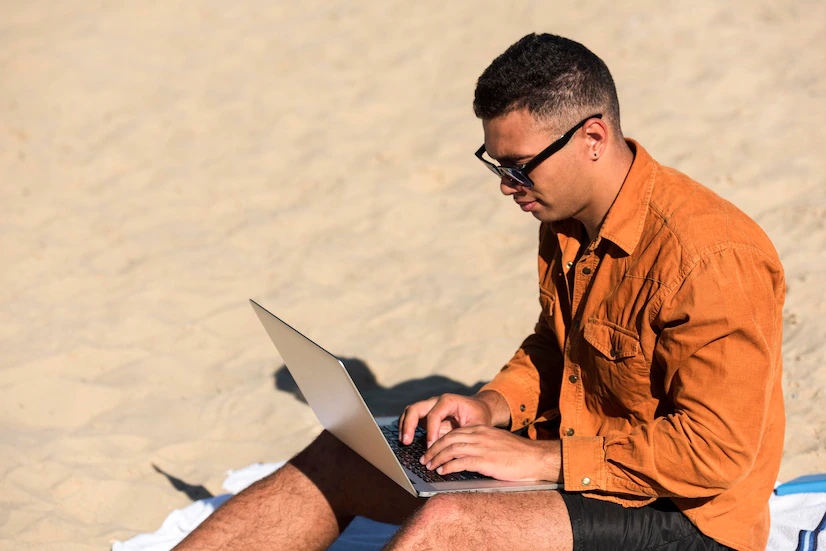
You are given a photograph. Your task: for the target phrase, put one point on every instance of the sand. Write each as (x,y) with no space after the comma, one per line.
(161,163)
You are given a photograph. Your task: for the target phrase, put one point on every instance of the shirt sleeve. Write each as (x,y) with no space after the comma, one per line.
(719,347)
(530,381)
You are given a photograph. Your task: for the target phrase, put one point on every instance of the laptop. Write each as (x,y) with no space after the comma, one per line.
(340,408)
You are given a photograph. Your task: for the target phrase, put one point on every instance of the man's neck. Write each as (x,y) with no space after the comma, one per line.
(616,163)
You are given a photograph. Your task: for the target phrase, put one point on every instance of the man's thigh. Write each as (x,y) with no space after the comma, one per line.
(496,520)
(601,525)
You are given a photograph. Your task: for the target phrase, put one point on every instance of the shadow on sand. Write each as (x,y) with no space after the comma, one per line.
(381,400)
(192,492)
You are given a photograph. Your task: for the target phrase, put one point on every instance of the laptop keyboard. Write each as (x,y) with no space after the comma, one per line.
(409,456)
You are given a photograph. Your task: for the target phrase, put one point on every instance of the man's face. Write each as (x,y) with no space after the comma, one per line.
(560,190)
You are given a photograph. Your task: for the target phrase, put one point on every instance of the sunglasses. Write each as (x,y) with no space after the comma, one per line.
(518,175)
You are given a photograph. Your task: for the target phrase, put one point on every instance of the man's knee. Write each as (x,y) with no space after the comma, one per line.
(484,509)
(331,465)
(436,522)
(446,509)
(325,448)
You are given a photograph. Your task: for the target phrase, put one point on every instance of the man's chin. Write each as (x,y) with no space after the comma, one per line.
(540,212)
(546,215)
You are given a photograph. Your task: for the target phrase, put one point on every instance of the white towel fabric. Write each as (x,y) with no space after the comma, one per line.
(798,521)
(181,522)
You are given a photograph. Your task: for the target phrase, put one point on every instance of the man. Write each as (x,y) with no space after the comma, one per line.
(650,386)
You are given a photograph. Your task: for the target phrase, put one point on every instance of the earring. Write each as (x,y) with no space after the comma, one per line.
(595,154)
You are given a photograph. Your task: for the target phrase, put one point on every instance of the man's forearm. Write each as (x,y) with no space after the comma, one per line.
(500,413)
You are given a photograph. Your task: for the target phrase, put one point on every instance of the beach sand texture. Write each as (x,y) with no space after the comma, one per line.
(162,162)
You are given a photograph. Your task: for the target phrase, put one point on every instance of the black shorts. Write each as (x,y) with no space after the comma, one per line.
(599,525)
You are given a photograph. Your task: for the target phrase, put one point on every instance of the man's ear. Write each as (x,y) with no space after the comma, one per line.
(596,132)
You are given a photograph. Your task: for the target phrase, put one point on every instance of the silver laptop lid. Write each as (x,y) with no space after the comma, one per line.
(332,395)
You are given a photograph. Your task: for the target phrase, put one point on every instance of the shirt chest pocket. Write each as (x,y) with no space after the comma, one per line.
(614,364)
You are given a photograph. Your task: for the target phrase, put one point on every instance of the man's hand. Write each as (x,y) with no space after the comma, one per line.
(496,453)
(451,411)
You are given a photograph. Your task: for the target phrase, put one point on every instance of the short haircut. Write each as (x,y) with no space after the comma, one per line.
(558,80)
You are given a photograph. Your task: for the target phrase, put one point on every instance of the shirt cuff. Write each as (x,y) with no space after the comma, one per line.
(521,401)
(583,463)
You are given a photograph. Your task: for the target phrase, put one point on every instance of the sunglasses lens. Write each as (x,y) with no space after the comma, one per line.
(517,178)
(512,176)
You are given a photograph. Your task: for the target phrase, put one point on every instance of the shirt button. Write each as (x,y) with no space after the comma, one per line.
(569,264)
(522,407)
(586,270)
(613,352)
(573,378)
(525,423)
(570,432)
(586,481)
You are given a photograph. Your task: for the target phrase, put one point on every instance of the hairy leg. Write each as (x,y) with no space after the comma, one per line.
(305,504)
(518,520)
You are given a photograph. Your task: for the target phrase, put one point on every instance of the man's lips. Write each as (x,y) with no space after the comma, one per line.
(526,205)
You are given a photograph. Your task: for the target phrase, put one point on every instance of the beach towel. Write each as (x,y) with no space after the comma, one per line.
(798,520)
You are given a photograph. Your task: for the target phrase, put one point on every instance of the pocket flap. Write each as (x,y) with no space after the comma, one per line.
(611,342)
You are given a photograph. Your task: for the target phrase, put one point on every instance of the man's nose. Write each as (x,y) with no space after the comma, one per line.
(509,187)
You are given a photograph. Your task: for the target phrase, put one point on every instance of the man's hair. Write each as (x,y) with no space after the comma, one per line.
(558,80)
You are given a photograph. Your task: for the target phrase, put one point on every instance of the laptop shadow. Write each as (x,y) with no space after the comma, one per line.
(382,400)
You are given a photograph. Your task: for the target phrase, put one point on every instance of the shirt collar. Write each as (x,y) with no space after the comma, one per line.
(624,221)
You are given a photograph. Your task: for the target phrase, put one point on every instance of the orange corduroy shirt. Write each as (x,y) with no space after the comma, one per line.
(658,353)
